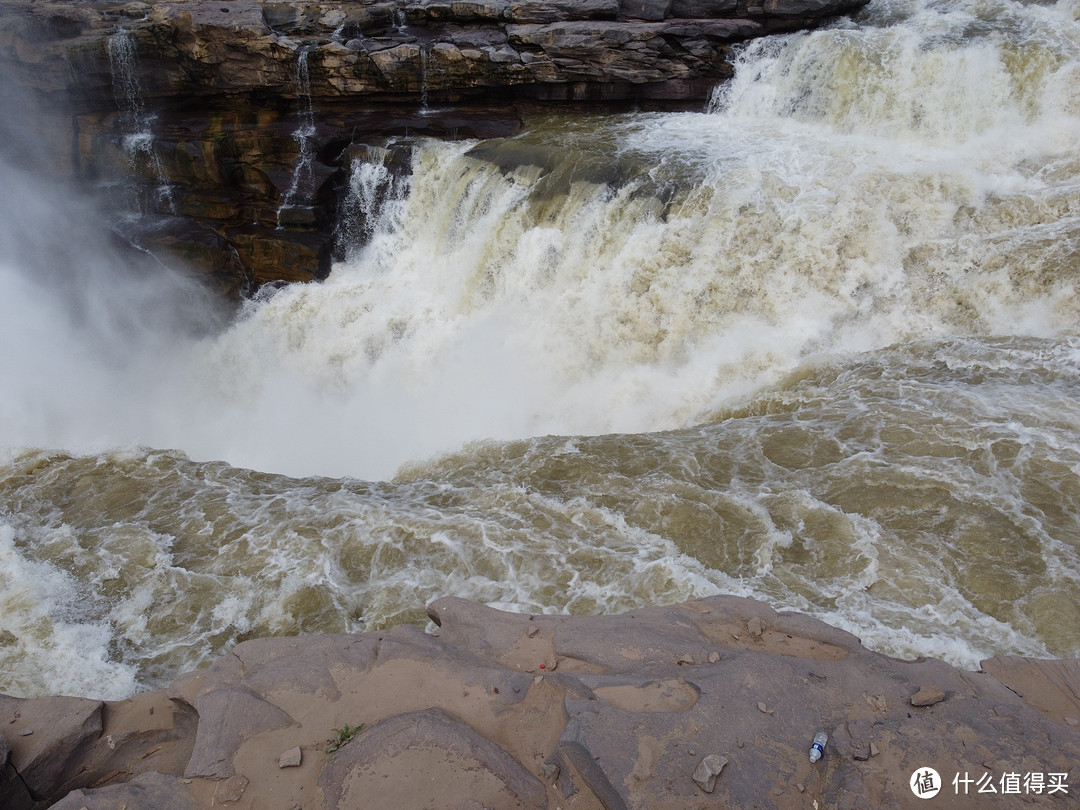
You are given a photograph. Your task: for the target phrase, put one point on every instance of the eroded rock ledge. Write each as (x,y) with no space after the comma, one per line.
(558,49)
(709,703)
(199,102)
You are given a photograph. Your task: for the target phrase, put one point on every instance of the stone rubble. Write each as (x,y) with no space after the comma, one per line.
(707,770)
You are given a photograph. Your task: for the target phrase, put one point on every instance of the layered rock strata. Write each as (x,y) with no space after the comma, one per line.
(709,703)
(233,117)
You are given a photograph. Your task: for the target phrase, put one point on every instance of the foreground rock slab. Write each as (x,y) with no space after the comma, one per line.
(709,703)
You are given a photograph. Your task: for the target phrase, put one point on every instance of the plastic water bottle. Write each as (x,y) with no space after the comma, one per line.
(818,748)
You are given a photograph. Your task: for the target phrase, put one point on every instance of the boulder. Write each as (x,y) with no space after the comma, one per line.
(793,9)
(229,716)
(49,737)
(645,9)
(62,743)
(12,788)
(561,10)
(703,9)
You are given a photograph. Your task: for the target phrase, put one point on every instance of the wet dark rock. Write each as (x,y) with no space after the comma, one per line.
(704,9)
(645,9)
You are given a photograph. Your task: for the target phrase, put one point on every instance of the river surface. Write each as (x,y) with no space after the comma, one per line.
(818,344)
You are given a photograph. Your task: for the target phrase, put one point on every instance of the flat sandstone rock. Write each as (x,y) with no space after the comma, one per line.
(583,713)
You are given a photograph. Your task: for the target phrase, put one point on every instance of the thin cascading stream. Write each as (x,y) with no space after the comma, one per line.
(425,56)
(302,178)
(137,123)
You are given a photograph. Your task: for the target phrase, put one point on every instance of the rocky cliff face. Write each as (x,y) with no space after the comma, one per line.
(226,125)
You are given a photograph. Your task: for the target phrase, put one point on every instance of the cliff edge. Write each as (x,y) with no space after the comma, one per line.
(551,49)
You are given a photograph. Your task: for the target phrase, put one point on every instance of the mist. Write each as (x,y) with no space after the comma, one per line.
(95,334)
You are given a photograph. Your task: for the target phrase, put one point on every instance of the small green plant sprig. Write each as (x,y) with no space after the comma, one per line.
(344,736)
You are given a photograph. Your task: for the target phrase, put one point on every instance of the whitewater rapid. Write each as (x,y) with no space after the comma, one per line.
(817,344)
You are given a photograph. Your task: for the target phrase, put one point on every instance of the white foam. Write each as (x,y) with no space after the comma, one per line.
(908,178)
(52,644)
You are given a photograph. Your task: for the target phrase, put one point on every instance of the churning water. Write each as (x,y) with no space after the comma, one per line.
(818,345)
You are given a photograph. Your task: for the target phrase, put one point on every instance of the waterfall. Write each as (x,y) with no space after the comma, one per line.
(425,55)
(136,122)
(302,174)
(652,268)
(818,347)
(125,80)
(373,188)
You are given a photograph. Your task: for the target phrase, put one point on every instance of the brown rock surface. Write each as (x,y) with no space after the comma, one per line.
(48,737)
(1052,687)
(228,47)
(417,759)
(76,742)
(12,788)
(511,710)
(154,791)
